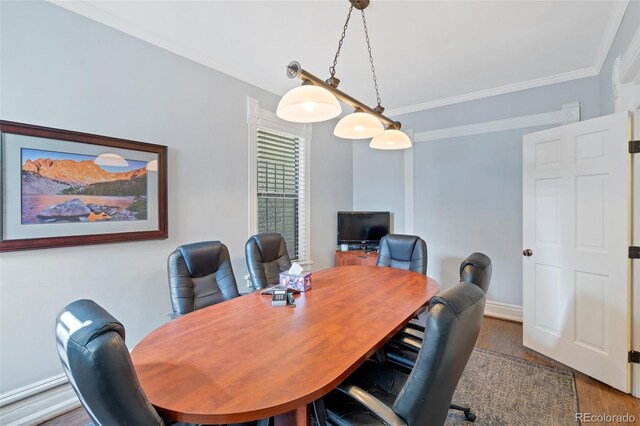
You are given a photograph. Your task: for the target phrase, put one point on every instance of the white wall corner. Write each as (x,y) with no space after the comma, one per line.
(625,77)
(504,311)
(625,95)
(615,78)
(37,402)
(609,34)
(629,64)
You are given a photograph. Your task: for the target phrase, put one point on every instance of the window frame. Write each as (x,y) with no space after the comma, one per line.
(258,118)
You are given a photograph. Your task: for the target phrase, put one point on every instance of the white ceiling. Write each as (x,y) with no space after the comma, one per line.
(426,53)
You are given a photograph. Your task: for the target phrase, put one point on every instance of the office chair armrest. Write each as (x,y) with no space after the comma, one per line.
(413,332)
(415,326)
(372,403)
(409,343)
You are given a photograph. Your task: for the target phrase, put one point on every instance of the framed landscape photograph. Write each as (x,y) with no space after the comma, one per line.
(62,188)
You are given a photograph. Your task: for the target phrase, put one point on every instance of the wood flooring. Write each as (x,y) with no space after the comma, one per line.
(500,336)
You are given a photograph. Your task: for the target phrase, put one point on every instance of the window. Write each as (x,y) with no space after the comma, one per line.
(279,179)
(280,187)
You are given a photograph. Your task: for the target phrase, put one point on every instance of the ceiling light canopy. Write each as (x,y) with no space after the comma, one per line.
(317,100)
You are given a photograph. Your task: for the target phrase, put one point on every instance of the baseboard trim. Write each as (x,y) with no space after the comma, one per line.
(504,311)
(37,402)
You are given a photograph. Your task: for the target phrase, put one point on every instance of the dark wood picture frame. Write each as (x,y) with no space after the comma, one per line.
(7,245)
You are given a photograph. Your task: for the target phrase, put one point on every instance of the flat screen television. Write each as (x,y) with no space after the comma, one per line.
(362,228)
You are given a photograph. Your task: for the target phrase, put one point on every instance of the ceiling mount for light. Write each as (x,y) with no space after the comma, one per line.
(360,4)
(317,100)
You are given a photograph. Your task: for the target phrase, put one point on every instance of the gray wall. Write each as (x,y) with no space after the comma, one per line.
(331,191)
(468,190)
(378,172)
(65,71)
(628,27)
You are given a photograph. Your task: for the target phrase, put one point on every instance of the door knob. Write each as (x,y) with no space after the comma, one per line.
(527,252)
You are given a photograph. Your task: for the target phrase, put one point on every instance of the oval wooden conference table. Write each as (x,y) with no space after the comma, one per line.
(244,360)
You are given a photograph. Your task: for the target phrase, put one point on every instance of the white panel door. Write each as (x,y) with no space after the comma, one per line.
(576,237)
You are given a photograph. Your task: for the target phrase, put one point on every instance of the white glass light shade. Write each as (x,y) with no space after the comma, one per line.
(358,125)
(112,160)
(391,139)
(308,104)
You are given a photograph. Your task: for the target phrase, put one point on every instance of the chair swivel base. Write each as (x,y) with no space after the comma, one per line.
(468,414)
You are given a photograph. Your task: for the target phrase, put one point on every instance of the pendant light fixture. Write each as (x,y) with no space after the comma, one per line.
(316,100)
(391,139)
(308,104)
(358,125)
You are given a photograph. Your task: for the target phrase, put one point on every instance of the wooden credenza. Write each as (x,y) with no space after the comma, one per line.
(356,257)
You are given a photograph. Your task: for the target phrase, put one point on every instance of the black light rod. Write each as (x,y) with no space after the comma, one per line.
(295,70)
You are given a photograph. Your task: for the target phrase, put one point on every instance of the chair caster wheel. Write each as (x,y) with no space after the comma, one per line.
(470,416)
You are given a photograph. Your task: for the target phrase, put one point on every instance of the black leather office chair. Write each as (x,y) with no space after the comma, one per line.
(200,275)
(97,363)
(267,256)
(379,394)
(407,252)
(475,269)
(403,349)
(96,360)
(403,252)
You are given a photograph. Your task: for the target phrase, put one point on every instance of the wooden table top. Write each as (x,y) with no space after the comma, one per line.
(243,359)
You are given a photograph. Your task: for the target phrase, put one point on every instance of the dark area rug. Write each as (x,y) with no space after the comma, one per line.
(503,390)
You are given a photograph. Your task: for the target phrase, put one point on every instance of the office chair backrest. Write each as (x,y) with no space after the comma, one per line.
(453,324)
(403,252)
(96,361)
(477,269)
(200,275)
(267,256)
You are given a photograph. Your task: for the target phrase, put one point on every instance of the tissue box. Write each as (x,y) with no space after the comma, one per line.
(300,282)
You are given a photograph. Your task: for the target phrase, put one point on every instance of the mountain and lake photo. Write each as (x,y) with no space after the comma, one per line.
(63,187)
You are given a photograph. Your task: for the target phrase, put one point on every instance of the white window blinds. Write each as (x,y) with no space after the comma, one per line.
(280,174)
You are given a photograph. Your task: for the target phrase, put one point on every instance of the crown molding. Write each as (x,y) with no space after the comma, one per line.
(570,113)
(90,11)
(509,88)
(619,9)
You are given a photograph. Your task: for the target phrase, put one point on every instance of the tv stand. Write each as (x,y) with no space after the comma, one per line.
(356,257)
(363,247)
